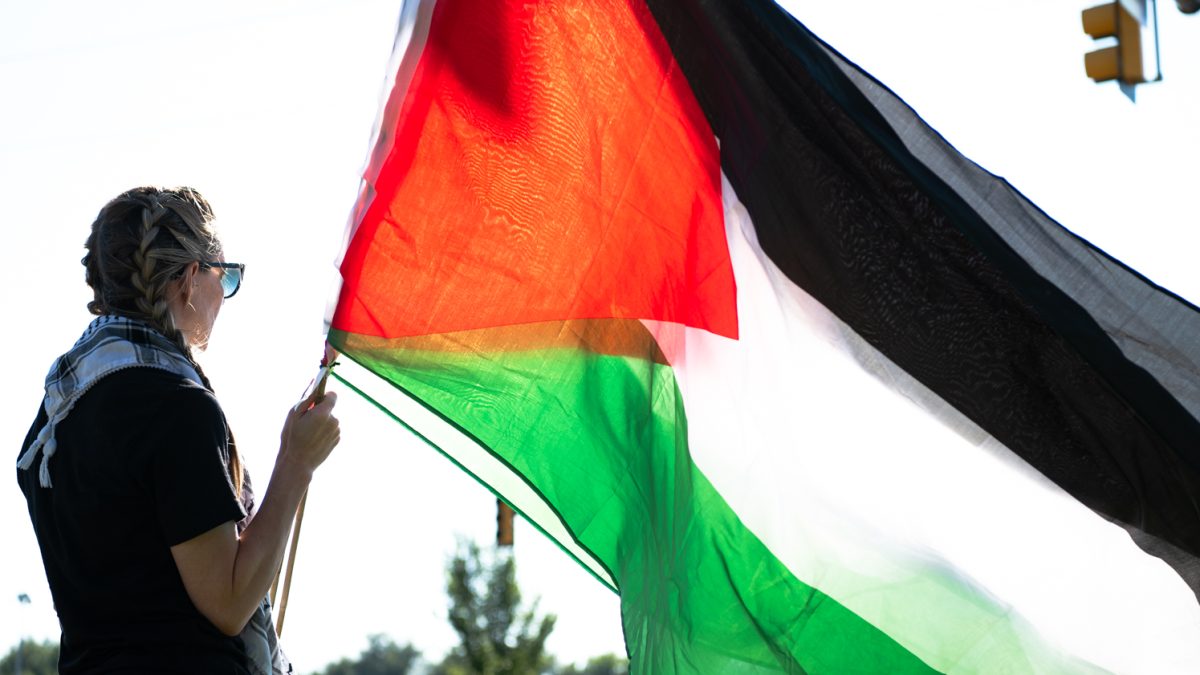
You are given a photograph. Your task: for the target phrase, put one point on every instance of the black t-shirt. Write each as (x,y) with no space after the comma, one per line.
(141,465)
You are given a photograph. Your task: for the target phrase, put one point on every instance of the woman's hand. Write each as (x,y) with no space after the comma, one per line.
(310,433)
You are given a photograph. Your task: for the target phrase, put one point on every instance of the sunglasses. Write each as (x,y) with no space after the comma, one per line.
(231,275)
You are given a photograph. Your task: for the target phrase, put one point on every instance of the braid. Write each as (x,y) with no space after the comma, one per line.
(152,300)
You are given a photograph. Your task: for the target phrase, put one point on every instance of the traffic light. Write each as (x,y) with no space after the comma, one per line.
(1134,57)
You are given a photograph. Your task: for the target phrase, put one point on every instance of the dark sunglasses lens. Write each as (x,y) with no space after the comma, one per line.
(231,280)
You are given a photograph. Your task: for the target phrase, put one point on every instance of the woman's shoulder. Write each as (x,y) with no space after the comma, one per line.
(150,390)
(151,382)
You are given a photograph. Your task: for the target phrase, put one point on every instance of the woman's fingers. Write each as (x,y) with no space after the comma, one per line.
(311,431)
(326,402)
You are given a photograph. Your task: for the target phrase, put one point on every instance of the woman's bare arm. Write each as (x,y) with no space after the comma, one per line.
(227,577)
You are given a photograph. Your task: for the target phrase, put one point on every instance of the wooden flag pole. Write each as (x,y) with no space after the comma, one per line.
(291,563)
(327,364)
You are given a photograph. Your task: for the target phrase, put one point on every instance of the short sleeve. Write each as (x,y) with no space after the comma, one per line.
(192,488)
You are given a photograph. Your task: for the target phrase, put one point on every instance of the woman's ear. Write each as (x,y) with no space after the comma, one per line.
(187,282)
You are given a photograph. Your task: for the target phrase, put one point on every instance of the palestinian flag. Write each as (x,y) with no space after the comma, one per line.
(814,393)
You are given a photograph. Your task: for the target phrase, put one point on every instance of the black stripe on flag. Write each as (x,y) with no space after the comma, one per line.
(850,214)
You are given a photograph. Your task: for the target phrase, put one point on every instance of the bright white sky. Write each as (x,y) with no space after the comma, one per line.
(267,108)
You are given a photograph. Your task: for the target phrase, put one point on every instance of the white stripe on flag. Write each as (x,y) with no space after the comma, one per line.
(472,458)
(872,489)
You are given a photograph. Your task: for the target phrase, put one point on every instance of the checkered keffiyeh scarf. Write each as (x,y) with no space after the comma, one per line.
(110,343)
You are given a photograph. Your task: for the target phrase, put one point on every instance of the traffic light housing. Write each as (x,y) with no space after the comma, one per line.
(1134,57)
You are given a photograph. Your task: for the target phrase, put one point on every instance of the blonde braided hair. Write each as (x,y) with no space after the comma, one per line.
(140,242)
(152,301)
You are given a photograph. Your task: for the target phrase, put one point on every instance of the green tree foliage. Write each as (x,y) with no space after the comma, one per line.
(497,636)
(381,657)
(36,658)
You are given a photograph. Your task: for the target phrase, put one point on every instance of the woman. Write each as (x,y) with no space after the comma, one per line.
(134,483)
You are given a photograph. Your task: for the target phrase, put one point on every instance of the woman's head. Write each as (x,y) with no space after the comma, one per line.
(148,258)
(144,259)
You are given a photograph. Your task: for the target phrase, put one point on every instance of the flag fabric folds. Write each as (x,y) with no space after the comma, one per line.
(719,314)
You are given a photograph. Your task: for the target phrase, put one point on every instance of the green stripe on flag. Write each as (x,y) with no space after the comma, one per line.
(595,423)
